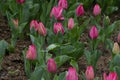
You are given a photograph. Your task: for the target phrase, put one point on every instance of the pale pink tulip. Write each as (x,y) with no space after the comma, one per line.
(34,24)
(63,4)
(93,33)
(58,28)
(96,10)
(70,23)
(80,10)
(89,73)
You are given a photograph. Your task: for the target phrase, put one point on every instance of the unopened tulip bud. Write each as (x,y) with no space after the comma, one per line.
(34,24)
(20,1)
(89,73)
(70,23)
(15,22)
(51,66)
(111,76)
(118,38)
(93,33)
(31,52)
(96,10)
(41,29)
(58,28)
(71,74)
(116,48)
(63,4)
(80,10)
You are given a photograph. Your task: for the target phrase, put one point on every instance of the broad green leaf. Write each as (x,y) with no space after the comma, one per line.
(62,76)
(52,46)
(55,77)
(74,64)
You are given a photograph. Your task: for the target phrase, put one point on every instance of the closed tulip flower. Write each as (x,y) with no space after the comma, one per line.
(93,33)
(71,74)
(41,29)
(96,10)
(116,48)
(89,73)
(57,13)
(70,23)
(51,66)
(63,4)
(58,28)
(34,24)
(118,38)
(80,10)
(15,22)
(20,1)
(111,76)
(31,52)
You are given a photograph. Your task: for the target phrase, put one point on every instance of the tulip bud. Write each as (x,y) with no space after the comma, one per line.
(93,33)
(31,52)
(118,38)
(42,30)
(71,74)
(15,22)
(58,27)
(34,24)
(111,76)
(80,10)
(96,10)
(70,23)
(20,1)
(63,4)
(57,13)
(89,73)
(116,48)
(51,66)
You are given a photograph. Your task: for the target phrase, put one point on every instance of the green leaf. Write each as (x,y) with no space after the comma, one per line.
(62,76)
(55,77)
(52,46)
(74,64)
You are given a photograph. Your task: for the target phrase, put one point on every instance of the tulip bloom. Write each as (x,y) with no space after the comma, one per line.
(118,38)
(41,29)
(34,24)
(63,4)
(111,76)
(31,52)
(20,1)
(71,74)
(89,73)
(15,22)
(96,10)
(93,33)
(51,66)
(80,10)
(70,23)
(116,48)
(57,13)
(58,27)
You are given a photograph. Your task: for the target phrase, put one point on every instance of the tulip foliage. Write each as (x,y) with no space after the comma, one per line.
(55,28)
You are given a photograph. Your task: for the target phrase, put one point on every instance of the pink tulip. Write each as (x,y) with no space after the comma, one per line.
(89,73)
(31,52)
(20,1)
(51,66)
(57,12)
(70,23)
(41,29)
(63,4)
(96,10)
(111,76)
(80,10)
(72,74)
(93,32)
(15,22)
(118,38)
(58,27)
(34,24)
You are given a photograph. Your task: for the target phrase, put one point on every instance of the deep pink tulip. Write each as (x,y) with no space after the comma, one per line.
(96,10)
(89,73)
(58,27)
(31,52)
(57,13)
(71,74)
(80,10)
(34,24)
(111,76)
(15,22)
(70,23)
(51,66)
(93,33)
(118,38)
(41,29)
(63,4)
(20,1)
